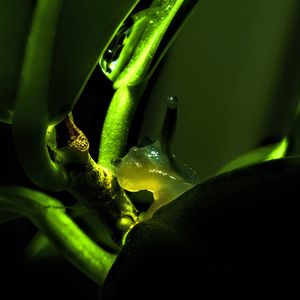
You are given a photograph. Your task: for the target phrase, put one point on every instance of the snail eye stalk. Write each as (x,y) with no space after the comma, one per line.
(154,166)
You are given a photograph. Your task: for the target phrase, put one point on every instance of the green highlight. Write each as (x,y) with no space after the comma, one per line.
(75,245)
(261,154)
(279,151)
(159,15)
(112,69)
(30,121)
(117,123)
(48,214)
(151,25)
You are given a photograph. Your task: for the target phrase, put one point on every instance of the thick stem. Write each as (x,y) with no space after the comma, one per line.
(90,184)
(30,120)
(75,245)
(160,15)
(49,216)
(134,77)
(117,124)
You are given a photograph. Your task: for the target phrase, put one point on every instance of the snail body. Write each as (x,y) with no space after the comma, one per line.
(154,167)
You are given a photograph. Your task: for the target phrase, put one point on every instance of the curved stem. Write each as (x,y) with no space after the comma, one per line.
(76,246)
(134,76)
(160,14)
(117,123)
(30,120)
(49,216)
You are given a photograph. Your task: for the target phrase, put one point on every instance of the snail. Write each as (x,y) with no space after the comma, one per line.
(154,167)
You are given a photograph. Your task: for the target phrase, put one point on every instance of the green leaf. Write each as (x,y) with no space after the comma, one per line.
(31,117)
(152,33)
(234,236)
(158,18)
(64,42)
(15,19)
(261,154)
(83,30)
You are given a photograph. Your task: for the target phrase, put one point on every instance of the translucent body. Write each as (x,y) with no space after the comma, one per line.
(148,168)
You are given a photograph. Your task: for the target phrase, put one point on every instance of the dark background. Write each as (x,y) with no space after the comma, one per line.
(235,69)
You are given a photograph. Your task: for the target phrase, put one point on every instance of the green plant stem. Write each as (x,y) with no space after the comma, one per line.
(74,244)
(30,120)
(117,123)
(49,216)
(132,81)
(160,14)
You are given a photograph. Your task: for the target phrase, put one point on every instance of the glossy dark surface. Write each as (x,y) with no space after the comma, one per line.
(236,236)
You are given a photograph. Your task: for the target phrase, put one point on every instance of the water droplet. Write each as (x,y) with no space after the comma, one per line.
(110,57)
(172,102)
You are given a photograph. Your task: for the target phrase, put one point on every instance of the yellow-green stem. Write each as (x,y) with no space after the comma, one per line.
(30,120)
(49,215)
